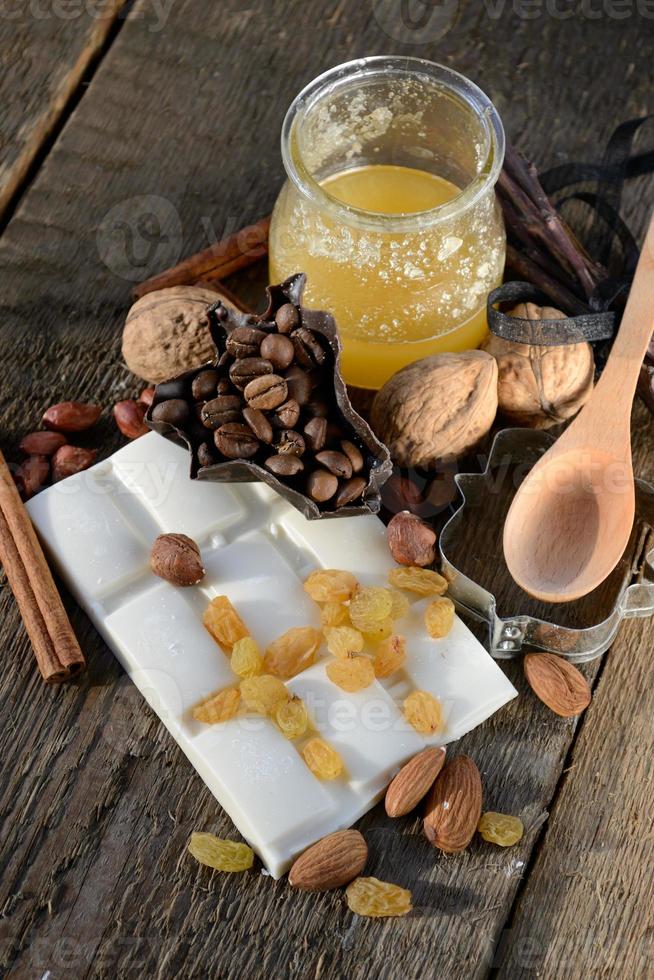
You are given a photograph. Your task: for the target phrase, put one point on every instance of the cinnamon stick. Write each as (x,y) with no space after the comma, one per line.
(236,251)
(55,646)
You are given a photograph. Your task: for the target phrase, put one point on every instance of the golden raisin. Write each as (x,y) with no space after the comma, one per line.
(343,640)
(246,660)
(380,632)
(439,617)
(424,712)
(352,674)
(330,585)
(322,759)
(223,855)
(220,706)
(292,718)
(390,656)
(263,693)
(293,651)
(224,623)
(500,828)
(369,607)
(400,604)
(334,614)
(370,896)
(423,581)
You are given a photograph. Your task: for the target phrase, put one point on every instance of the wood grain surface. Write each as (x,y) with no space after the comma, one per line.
(48,48)
(173,144)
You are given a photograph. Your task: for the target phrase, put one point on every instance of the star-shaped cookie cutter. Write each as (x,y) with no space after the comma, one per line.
(481,586)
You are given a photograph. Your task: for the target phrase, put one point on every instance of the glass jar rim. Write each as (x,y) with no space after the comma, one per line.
(342,74)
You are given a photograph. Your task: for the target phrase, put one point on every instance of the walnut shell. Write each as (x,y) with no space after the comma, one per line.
(541,386)
(167,332)
(438,407)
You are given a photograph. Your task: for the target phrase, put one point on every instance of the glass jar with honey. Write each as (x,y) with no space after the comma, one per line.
(390,210)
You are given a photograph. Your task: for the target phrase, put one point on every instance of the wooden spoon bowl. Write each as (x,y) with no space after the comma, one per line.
(570,521)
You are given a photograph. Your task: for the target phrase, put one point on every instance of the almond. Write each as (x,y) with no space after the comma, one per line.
(413,781)
(128,416)
(333,861)
(42,443)
(146,397)
(71,459)
(71,416)
(176,558)
(557,683)
(454,806)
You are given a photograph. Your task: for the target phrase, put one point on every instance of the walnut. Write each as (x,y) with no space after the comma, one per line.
(438,407)
(541,386)
(167,332)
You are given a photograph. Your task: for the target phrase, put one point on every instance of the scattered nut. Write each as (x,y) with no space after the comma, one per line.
(69,460)
(411,540)
(558,684)
(32,475)
(541,386)
(413,781)
(71,416)
(146,397)
(454,806)
(438,407)
(176,558)
(42,443)
(333,861)
(129,417)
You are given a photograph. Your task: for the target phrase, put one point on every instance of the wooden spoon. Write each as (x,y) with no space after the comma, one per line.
(571,519)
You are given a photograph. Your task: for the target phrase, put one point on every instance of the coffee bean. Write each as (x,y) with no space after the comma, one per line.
(315,432)
(336,463)
(205,455)
(308,349)
(353,454)
(244,341)
(287,318)
(258,423)
(247,369)
(224,408)
(266,392)
(287,415)
(236,441)
(349,491)
(284,465)
(174,411)
(290,442)
(169,390)
(278,350)
(299,384)
(321,485)
(224,387)
(225,359)
(205,384)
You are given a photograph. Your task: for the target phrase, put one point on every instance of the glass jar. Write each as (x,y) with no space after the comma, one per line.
(390,209)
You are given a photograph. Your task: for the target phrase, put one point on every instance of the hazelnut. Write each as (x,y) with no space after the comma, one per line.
(411,540)
(176,558)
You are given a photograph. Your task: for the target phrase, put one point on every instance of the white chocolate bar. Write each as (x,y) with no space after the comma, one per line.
(98,528)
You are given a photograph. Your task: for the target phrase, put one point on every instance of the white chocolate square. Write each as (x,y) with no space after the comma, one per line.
(98,528)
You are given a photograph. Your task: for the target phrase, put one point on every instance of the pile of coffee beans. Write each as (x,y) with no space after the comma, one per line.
(270,400)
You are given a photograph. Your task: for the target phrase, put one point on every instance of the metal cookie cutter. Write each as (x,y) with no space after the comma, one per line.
(480,583)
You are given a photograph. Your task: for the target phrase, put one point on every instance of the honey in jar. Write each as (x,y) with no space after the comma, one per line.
(390,210)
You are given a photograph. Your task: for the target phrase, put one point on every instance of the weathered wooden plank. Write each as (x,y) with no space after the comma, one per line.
(96,801)
(47,49)
(586,906)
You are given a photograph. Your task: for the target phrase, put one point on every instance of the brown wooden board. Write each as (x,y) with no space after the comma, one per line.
(47,50)
(96,801)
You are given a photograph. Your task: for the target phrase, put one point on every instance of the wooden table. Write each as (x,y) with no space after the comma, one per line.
(175,108)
